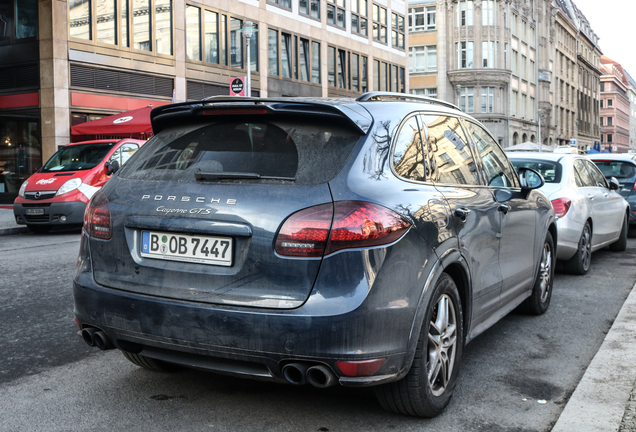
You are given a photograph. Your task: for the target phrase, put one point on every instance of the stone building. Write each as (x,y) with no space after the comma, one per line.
(68,61)
(615,107)
(631,93)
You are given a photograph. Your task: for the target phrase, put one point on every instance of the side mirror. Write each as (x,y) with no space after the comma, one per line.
(530,179)
(112,167)
(614,184)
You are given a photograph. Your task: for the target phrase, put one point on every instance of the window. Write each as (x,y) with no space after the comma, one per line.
(193,31)
(79,19)
(609,138)
(428,92)
(445,156)
(358,66)
(286,55)
(602,87)
(105,25)
(601,121)
(487,99)
(423,59)
(610,121)
(466,102)
(315,62)
(394,79)
(498,171)
(379,23)
(282,3)
(359,17)
(211,34)
(272,50)
(331,66)
(141,25)
(310,8)
(336,13)
(236,43)
(342,69)
(465,13)
(304,59)
(163,21)
(464,55)
(610,103)
(408,160)
(488,12)
(397,31)
(422,18)
(601,104)
(489,54)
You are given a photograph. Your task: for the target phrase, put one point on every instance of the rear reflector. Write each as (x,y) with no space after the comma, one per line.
(561,206)
(360,368)
(356,224)
(97,217)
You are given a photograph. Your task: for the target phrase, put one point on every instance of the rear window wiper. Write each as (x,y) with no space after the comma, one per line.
(200,175)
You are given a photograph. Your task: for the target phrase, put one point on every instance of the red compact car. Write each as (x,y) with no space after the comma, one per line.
(58,192)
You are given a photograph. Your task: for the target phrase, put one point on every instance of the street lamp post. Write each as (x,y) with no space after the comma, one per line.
(248,32)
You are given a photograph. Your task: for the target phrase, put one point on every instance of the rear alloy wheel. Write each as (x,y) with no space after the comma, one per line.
(150,363)
(579,264)
(621,244)
(539,300)
(428,387)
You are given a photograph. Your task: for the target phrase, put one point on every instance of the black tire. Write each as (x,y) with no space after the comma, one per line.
(621,244)
(539,300)
(415,394)
(38,229)
(579,264)
(150,363)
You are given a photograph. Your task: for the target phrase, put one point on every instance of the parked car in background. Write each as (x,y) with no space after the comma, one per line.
(591,214)
(57,193)
(324,241)
(622,166)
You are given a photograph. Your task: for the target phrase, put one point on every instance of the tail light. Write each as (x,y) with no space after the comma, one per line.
(561,206)
(360,368)
(324,229)
(97,217)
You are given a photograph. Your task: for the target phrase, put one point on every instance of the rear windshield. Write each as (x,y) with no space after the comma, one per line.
(307,152)
(78,157)
(551,171)
(618,169)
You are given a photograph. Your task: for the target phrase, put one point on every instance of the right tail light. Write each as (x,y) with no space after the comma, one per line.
(97,221)
(327,228)
(561,206)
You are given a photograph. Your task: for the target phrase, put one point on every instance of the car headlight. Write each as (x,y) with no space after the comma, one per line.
(69,186)
(23,188)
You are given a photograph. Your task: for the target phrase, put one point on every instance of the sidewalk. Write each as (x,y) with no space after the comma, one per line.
(7,221)
(601,402)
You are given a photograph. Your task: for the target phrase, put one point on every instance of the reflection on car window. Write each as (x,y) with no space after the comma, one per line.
(448,156)
(407,155)
(583,177)
(596,174)
(498,171)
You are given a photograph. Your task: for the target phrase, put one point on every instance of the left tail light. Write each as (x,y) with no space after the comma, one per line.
(561,206)
(97,221)
(327,228)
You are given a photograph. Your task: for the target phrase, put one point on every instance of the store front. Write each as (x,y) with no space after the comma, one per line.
(20,152)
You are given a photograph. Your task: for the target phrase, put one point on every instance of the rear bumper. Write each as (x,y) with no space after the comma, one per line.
(53,213)
(256,342)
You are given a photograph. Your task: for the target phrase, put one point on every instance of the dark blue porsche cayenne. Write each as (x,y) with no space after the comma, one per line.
(324,241)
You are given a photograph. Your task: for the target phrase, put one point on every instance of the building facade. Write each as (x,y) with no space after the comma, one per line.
(615,107)
(64,62)
(631,93)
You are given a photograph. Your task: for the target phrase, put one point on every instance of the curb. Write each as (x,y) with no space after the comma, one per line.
(11,231)
(599,400)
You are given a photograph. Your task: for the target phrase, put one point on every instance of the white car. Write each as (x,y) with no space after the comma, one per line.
(591,214)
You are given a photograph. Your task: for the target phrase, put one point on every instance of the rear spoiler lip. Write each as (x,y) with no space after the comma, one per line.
(347,109)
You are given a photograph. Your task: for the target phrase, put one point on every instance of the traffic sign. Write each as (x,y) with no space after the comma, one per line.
(237,86)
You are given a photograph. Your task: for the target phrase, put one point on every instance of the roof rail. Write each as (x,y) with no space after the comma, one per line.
(380,96)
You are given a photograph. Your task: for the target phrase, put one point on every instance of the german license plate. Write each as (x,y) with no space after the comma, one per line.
(34,211)
(187,248)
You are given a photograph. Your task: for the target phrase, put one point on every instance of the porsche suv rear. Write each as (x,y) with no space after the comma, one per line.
(279,239)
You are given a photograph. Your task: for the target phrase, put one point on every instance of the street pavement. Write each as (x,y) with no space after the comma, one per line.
(605,398)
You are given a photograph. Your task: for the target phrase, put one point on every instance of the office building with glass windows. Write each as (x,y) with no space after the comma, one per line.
(65,62)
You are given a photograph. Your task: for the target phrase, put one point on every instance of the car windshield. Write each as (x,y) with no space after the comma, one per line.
(550,170)
(303,151)
(78,157)
(618,169)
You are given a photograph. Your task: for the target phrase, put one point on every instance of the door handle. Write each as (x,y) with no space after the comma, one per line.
(590,197)
(504,208)
(462,213)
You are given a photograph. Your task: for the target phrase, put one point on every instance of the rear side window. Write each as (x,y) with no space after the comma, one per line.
(305,152)
(78,157)
(408,160)
(448,155)
(496,167)
(618,169)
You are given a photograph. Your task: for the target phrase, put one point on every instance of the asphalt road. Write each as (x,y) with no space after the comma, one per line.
(51,381)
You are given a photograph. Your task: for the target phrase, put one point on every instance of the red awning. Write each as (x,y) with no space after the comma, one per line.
(127,123)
